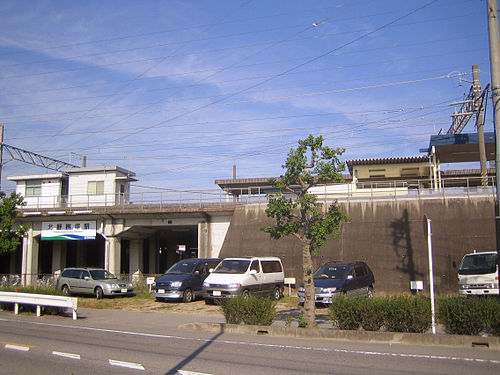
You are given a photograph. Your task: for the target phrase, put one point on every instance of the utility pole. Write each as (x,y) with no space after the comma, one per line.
(492,11)
(1,154)
(478,110)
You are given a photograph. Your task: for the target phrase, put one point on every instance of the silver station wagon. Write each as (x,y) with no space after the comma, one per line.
(93,281)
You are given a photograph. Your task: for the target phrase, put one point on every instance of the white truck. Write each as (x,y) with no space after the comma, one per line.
(478,274)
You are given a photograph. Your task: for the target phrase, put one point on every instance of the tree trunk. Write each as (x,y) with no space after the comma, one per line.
(310,302)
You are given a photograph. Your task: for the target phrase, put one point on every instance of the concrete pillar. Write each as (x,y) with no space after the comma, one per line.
(112,254)
(136,256)
(30,259)
(204,250)
(57,256)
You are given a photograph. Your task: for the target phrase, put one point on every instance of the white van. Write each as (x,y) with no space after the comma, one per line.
(478,274)
(261,276)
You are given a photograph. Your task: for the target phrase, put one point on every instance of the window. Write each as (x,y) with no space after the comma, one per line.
(376,173)
(360,271)
(33,188)
(95,188)
(410,172)
(255,266)
(271,266)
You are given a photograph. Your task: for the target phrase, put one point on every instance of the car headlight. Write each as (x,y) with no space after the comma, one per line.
(176,284)
(234,286)
(130,286)
(328,290)
(114,286)
(154,284)
(206,285)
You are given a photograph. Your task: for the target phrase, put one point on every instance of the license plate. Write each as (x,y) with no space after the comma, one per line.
(161,291)
(217,293)
(124,290)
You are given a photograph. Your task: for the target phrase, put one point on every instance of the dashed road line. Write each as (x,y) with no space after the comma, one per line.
(131,365)
(268,345)
(16,344)
(185,372)
(67,355)
(22,348)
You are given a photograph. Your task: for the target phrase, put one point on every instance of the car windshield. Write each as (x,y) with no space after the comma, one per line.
(101,275)
(330,272)
(232,266)
(478,264)
(181,268)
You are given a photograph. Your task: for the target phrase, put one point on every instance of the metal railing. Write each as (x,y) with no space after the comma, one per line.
(361,191)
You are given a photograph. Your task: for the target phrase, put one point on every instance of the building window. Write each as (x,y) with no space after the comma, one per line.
(95,188)
(376,173)
(410,172)
(33,188)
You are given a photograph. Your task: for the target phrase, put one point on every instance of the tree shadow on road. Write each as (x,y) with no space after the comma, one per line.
(174,370)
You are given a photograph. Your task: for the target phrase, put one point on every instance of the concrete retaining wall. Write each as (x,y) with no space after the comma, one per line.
(388,235)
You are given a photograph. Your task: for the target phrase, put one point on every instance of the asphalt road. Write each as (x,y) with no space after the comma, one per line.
(125,342)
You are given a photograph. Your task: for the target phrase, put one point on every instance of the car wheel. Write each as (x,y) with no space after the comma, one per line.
(246,294)
(159,299)
(98,293)
(65,290)
(188,295)
(370,292)
(277,294)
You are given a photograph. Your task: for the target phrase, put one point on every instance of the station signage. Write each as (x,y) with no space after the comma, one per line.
(69,230)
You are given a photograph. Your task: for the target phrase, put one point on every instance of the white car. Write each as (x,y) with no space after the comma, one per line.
(260,276)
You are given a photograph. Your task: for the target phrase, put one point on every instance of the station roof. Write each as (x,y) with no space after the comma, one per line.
(460,148)
(384,161)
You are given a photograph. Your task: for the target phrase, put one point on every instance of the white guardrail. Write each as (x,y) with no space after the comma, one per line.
(39,300)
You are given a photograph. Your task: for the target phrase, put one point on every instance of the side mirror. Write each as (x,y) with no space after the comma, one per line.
(87,278)
(253,272)
(210,270)
(197,273)
(350,277)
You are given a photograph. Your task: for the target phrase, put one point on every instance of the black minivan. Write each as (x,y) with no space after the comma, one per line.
(341,278)
(184,280)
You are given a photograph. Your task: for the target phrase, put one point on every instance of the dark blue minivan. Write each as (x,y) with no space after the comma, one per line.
(341,279)
(184,280)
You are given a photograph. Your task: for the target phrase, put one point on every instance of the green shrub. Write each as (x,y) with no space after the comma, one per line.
(345,312)
(301,321)
(407,314)
(252,310)
(372,318)
(231,309)
(469,316)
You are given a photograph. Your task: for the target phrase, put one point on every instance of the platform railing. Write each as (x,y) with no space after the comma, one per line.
(361,191)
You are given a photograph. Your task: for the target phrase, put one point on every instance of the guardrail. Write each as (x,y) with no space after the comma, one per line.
(39,300)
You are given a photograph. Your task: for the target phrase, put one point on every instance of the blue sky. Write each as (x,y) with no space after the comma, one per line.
(180,91)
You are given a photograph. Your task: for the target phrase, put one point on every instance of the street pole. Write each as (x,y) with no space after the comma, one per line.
(492,11)
(478,109)
(1,154)
(427,223)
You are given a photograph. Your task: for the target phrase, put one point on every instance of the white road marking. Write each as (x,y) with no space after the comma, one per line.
(229,342)
(185,372)
(67,355)
(17,347)
(135,366)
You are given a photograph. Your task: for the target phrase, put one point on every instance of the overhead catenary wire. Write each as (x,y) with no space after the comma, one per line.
(188,134)
(331,51)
